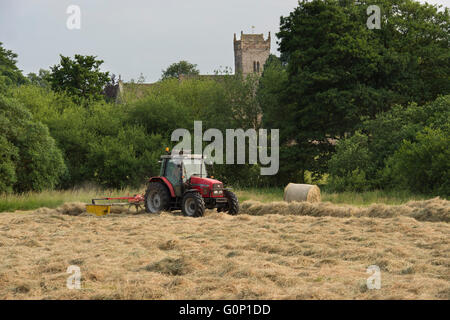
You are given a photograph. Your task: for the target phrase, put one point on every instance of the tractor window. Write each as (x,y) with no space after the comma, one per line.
(173,172)
(194,167)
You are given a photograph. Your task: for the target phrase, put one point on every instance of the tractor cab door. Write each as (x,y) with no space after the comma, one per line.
(173,170)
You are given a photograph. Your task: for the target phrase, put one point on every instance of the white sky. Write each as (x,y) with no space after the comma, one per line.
(137,36)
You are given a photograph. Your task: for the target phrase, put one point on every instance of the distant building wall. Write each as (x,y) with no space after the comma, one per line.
(251,53)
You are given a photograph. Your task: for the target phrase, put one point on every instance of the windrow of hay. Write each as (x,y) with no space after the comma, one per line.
(70,208)
(433,210)
(301,192)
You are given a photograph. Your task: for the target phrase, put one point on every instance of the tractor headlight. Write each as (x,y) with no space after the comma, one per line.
(217,192)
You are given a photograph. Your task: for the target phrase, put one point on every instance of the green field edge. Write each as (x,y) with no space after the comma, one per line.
(53,199)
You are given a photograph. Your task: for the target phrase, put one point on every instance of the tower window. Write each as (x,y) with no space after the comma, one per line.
(254,66)
(257,66)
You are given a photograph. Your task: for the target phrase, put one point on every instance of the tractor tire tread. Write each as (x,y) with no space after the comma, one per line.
(233,203)
(198,200)
(164,194)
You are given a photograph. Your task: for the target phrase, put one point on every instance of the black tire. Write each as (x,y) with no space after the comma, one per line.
(232,206)
(193,205)
(157,198)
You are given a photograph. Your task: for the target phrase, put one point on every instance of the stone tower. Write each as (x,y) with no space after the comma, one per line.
(251,53)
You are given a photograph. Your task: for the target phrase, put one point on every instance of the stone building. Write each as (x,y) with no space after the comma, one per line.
(251,53)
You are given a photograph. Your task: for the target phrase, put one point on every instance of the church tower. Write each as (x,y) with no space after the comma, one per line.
(250,53)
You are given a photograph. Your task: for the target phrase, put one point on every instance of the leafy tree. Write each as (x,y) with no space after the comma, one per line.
(42,79)
(272,83)
(241,99)
(423,166)
(126,159)
(81,77)
(30,159)
(348,166)
(371,152)
(8,156)
(9,72)
(387,131)
(339,70)
(175,70)
(100,143)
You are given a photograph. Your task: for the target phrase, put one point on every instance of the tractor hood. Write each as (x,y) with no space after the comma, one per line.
(204,182)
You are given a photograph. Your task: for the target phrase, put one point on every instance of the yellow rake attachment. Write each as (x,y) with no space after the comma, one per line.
(98,209)
(136,201)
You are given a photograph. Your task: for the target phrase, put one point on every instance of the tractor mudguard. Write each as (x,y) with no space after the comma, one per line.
(166,182)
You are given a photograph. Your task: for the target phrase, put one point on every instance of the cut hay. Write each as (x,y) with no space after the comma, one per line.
(78,208)
(269,257)
(70,208)
(433,210)
(301,192)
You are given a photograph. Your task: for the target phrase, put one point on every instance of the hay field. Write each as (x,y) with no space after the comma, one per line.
(271,256)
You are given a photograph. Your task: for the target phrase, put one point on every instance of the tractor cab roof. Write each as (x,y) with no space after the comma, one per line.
(183,156)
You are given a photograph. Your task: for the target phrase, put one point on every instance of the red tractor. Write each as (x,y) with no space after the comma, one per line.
(184,184)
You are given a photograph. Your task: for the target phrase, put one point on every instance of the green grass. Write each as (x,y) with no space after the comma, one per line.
(353,198)
(262,194)
(368,197)
(53,199)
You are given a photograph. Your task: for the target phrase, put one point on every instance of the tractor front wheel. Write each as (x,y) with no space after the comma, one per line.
(193,205)
(156,197)
(232,206)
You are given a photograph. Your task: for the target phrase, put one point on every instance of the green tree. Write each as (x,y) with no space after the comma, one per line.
(28,149)
(380,139)
(272,84)
(9,72)
(81,77)
(8,156)
(241,100)
(388,129)
(348,166)
(423,166)
(339,70)
(42,79)
(175,70)
(128,158)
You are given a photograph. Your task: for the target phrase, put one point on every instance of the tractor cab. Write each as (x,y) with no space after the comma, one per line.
(180,170)
(184,184)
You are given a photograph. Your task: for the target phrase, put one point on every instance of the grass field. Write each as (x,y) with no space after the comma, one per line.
(271,250)
(273,256)
(53,199)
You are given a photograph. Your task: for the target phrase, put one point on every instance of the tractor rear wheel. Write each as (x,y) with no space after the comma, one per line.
(232,206)
(193,205)
(157,198)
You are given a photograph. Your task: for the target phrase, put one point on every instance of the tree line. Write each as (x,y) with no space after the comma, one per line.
(357,109)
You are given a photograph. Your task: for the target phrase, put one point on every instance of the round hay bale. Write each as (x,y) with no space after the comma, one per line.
(301,192)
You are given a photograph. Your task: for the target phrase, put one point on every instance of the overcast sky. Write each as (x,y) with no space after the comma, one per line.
(138,36)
